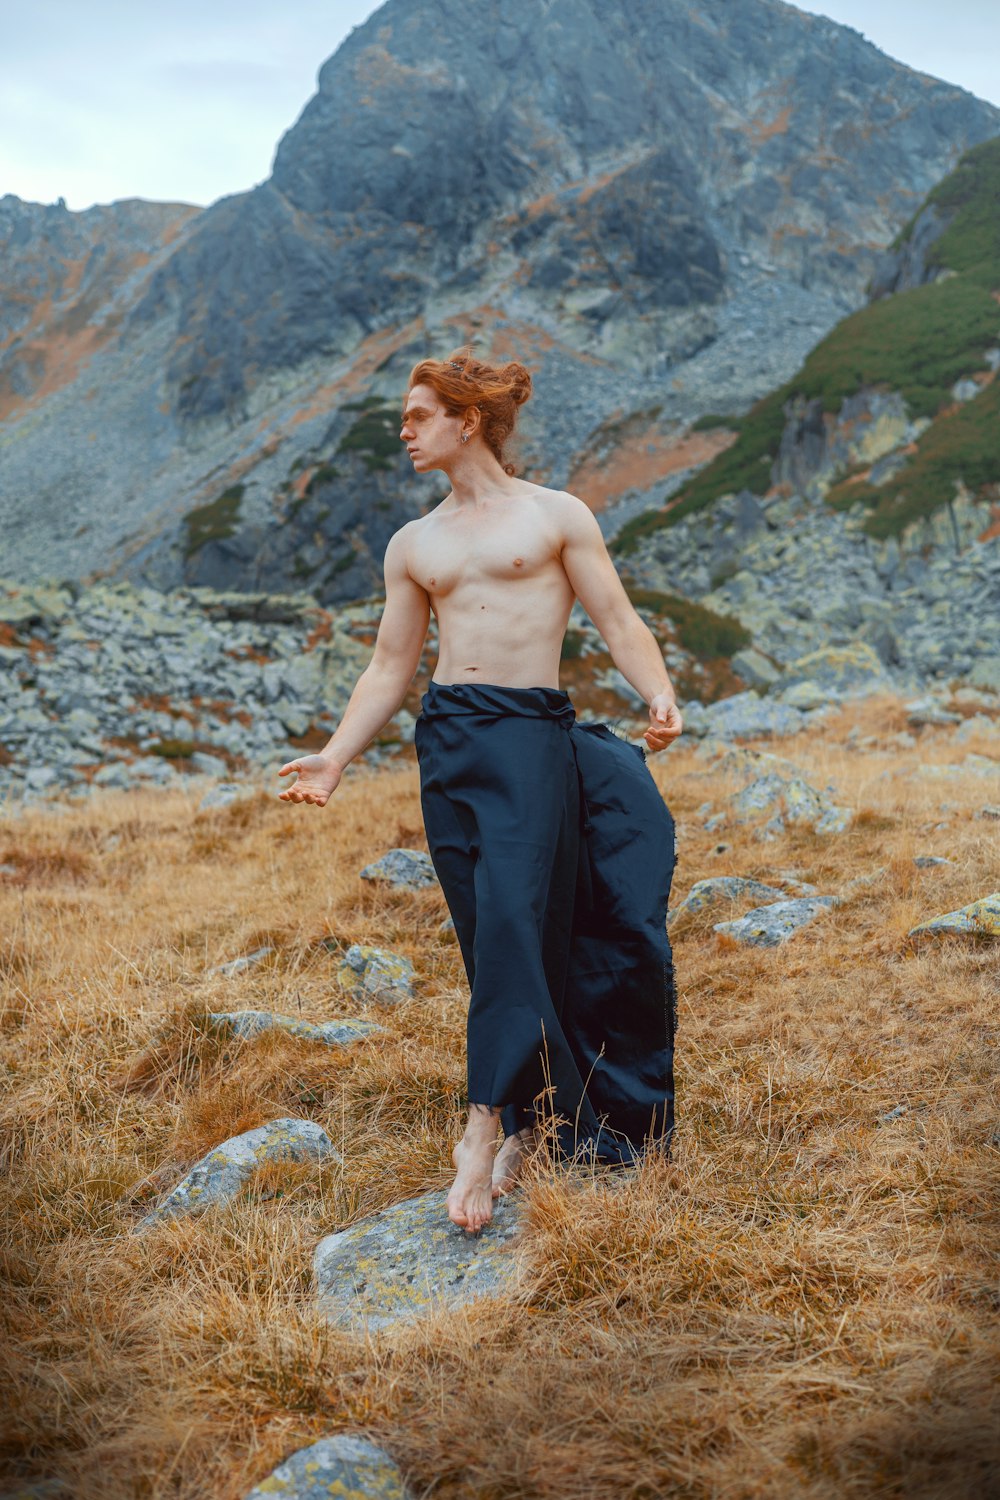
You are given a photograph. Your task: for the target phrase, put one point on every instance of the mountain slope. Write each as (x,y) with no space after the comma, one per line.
(661,209)
(931,333)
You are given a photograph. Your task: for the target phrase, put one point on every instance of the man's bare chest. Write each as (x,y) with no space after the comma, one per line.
(457,557)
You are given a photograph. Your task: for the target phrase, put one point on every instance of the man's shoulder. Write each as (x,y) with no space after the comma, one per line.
(560,502)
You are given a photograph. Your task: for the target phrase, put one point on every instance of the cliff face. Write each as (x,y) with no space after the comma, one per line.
(660,207)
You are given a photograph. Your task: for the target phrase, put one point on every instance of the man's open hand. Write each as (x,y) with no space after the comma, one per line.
(665,722)
(318,779)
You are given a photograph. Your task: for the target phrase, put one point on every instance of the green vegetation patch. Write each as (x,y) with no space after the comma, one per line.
(173,749)
(713,419)
(215,521)
(374,434)
(917,342)
(701,631)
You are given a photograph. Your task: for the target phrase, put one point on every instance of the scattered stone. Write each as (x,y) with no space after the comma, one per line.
(224,794)
(989,811)
(791,800)
(744,715)
(928,861)
(986,674)
(248,1024)
(719,889)
(223,1171)
(395,1266)
(755,668)
(376,973)
(979,919)
(406,869)
(929,711)
(805,695)
(246,961)
(893,1114)
(208,765)
(350,1467)
(767,926)
(850,671)
(746,763)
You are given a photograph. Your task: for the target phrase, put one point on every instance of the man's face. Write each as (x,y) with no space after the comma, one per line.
(432,438)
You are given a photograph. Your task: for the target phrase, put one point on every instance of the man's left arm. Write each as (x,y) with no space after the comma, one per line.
(633,647)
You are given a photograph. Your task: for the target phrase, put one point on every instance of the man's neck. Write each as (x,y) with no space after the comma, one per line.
(475,481)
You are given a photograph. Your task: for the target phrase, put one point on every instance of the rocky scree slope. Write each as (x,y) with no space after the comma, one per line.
(660,208)
(860,502)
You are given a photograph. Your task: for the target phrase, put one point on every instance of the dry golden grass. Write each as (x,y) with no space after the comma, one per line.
(802,1303)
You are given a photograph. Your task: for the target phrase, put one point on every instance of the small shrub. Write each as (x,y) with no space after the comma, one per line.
(215,521)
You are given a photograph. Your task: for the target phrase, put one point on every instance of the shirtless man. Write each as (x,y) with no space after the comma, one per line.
(500,562)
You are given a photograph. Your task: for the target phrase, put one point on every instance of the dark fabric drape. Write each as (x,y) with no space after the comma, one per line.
(555,852)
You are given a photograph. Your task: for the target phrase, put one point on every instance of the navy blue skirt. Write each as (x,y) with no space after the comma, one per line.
(555,851)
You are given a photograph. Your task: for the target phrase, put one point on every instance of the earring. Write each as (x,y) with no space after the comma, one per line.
(465,437)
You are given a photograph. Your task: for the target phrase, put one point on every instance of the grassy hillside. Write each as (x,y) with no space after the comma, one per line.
(801,1304)
(917,342)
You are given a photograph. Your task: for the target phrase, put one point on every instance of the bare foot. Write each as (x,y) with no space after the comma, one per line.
(470,1201)
(508,1163)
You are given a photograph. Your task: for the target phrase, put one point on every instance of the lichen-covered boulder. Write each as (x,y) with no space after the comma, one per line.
(767,926)
(789,800)
(223,1171)
(247,1024)
(979,919)
(749,716)
(406,869)
(849,671)
(395,1266)
(376,973)
(349,1468)
(718,890)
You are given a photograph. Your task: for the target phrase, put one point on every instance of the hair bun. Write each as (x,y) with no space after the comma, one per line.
(520,379)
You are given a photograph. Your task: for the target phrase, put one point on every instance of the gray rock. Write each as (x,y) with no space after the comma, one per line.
(395,1266)
(750,717)
(245,961)
(721,889)
(209,765)
(222,1172)
(979,919)
(767,926)
(755,668)
(224,794)
(929,711)
(376,973)
(931,861)
(408,869)
(346,1466)
(989,811)
(986,674)
(251,1023)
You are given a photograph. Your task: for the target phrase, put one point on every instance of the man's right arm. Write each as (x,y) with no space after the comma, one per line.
(383,684)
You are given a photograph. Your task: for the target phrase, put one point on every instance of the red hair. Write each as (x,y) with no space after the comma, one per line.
(461,382)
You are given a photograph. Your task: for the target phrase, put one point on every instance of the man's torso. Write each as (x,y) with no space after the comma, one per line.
(497,587)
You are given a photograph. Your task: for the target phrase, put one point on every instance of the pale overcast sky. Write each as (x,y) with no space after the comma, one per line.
(186,101)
